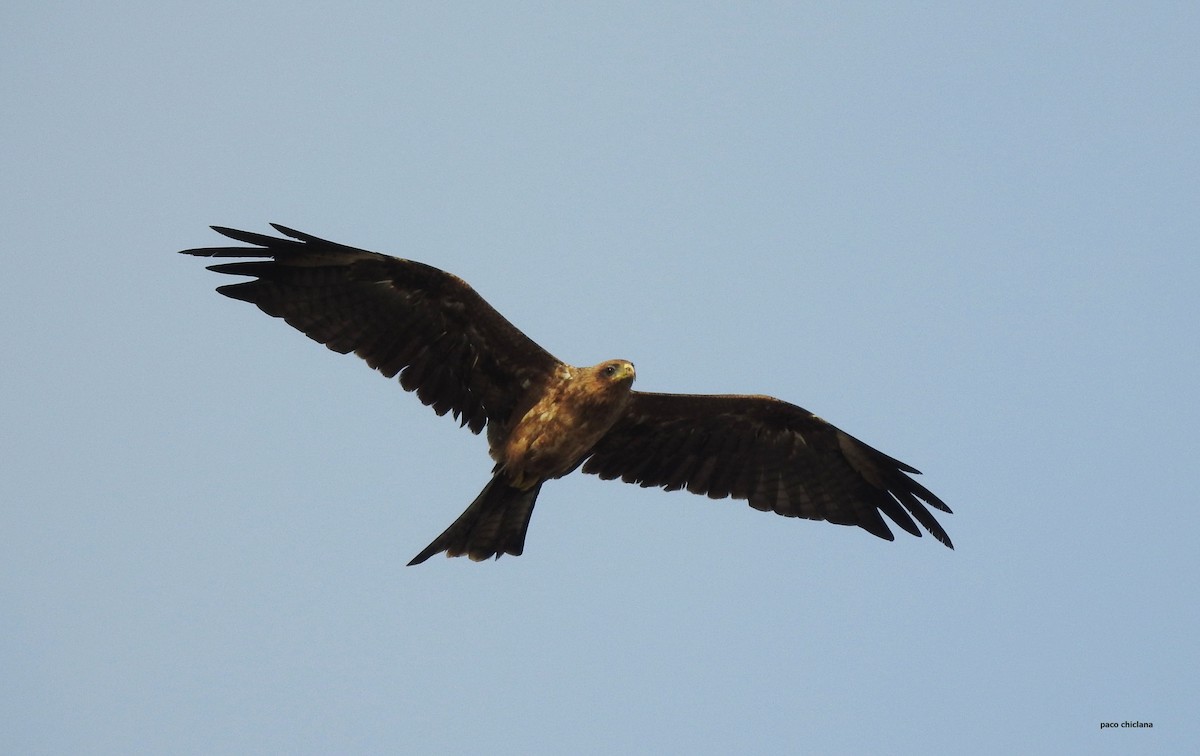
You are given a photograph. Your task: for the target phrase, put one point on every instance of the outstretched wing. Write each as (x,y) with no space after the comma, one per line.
(777,456)
(447,343)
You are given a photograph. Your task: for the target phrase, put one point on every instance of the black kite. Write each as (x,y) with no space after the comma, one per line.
(545,418)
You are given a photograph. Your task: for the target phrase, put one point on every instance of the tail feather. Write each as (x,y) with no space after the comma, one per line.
(494,524)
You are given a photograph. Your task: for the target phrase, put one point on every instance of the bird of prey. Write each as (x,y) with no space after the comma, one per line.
(545,418)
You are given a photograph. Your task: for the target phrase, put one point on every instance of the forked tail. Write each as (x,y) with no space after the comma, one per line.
(494,524)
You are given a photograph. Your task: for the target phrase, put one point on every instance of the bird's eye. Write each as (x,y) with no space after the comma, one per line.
(610,371)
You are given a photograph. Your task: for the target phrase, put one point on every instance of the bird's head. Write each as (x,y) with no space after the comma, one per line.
(616,371)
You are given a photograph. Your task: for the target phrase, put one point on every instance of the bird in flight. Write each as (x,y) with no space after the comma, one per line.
(545,418)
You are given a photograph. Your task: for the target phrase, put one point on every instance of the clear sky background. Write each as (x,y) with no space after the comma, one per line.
(966,234)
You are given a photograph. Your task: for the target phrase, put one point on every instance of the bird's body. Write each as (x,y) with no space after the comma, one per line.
(576,410)
(545,418)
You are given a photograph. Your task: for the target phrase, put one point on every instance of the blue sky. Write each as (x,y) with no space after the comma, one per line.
(965,235)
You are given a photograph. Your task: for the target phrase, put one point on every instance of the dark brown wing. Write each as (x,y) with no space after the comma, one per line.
(448,345)
(777,456)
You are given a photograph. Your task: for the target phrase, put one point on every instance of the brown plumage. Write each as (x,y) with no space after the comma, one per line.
(545,418)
